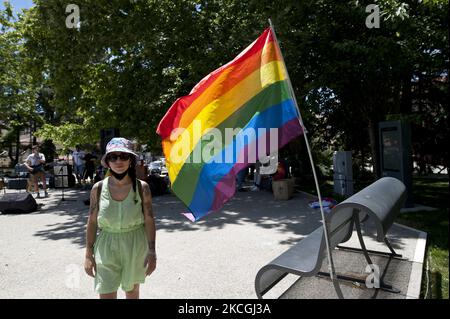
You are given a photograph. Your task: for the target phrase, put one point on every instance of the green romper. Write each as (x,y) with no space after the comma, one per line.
(121,247)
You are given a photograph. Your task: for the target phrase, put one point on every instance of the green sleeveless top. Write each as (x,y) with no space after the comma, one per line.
(119,216)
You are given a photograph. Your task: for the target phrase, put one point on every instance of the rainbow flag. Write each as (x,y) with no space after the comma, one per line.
(248,96)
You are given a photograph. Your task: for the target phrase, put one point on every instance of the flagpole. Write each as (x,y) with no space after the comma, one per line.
(327,241)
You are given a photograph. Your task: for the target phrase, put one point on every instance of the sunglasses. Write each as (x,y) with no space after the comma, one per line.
(114,157)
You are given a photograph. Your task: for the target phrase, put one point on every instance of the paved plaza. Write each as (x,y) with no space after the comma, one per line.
(42,253)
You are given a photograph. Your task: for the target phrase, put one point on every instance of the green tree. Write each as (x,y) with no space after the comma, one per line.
(129,60)
(348,77)
(17,93)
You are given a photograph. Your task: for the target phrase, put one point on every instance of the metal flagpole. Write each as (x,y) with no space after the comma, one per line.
(327,242)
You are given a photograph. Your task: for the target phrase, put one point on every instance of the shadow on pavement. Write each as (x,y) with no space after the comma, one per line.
(293,217)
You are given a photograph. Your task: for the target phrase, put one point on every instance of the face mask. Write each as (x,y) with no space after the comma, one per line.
(119,176)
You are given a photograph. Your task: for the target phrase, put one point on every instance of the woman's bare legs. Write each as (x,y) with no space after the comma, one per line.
(112,295)
(133,294)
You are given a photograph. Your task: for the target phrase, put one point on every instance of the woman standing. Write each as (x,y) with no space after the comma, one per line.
(123,253)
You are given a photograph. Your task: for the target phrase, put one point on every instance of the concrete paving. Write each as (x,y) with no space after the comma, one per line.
(42,253)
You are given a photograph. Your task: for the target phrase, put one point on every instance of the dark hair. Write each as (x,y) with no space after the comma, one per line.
(132,174)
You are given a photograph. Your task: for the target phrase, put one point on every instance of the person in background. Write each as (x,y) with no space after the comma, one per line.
(78,163)
(281,172)
(142,171)
(240,178)
(256,177)
(35,165)
(89,160)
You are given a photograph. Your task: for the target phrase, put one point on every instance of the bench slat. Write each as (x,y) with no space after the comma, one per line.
(303,257)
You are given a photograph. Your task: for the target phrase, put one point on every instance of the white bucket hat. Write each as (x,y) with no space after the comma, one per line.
(118,144)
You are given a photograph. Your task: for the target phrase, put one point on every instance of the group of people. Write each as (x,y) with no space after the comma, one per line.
(86,167)
(84,164)
(262,181)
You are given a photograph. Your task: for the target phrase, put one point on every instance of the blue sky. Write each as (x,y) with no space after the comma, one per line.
(18,5)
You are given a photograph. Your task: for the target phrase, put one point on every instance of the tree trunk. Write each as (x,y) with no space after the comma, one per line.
(10,152)
(34,131)
(373,137)
(17,146)
(406,98)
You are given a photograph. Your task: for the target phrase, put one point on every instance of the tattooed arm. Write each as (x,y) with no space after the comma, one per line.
(149,221)
(91,232)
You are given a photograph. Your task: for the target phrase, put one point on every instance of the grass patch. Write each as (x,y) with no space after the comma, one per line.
(432,192)
(435,223)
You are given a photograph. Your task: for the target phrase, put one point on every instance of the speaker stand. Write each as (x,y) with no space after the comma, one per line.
(63,199)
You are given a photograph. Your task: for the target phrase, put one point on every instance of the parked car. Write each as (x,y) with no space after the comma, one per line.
(158,167)
(155,167)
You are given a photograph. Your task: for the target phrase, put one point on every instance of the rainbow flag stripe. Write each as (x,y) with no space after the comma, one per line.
(247,94)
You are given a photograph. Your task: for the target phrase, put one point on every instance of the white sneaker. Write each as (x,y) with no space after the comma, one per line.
(254,188)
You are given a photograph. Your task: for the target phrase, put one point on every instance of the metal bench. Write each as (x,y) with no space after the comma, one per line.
(381,201)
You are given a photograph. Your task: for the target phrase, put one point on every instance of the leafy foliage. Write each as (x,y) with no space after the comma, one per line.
(128,61)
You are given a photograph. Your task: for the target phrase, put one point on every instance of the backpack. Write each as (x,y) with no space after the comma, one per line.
(139,186)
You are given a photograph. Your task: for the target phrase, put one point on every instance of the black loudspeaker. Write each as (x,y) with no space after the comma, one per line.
(17,183)
(106,135)
(17,203)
